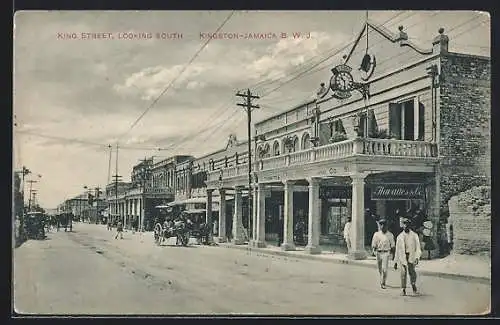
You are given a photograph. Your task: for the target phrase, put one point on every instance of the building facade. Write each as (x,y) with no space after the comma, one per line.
(399,140)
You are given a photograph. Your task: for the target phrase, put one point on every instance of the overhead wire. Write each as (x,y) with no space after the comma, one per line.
(385,60)
(270,81)
(310,71)
(177,77)
(336,49)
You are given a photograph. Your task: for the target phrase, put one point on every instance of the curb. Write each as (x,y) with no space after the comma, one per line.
(462,277)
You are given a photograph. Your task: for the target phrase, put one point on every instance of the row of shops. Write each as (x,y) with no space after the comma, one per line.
(383,138)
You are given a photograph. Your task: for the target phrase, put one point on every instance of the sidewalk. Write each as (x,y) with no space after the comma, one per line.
(473,268)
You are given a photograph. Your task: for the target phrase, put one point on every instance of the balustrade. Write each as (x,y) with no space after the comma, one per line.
(347,148)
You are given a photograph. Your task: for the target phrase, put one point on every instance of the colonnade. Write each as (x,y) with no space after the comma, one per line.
(129,208)
(314,216)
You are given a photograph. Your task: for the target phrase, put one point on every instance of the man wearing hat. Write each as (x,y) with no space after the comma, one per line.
(407,255)
(382,245)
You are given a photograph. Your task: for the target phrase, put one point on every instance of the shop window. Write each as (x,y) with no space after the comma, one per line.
(406,120)
(332,224)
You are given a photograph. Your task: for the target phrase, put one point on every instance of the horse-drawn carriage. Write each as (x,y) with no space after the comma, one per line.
(35,225)
(174,221)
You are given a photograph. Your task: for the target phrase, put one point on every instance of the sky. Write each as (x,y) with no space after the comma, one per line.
(75,96)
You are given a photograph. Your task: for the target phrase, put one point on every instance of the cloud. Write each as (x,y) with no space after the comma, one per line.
(239,67)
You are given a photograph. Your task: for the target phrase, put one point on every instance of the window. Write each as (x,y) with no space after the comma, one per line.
(276,148)
(306,141)
(364,119)
(337,127)
(295,144)
(406,120)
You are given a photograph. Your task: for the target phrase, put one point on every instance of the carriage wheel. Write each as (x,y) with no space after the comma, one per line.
(158,233)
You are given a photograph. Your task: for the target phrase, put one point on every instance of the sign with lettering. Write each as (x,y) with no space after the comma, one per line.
(398,191)
(335,192)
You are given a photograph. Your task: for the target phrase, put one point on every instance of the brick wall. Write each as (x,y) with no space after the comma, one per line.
(465,145)
(470,215)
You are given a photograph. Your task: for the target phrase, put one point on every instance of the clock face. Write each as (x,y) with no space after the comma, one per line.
(343,81)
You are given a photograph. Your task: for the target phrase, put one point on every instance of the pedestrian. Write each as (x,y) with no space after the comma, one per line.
(109,224)
(407,255)
(119,230)
(347,234)
(383,246)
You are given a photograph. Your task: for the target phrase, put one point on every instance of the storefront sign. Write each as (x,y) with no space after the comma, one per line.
(335,192)
(398,191)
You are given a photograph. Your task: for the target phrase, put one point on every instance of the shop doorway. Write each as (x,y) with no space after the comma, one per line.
(395,210)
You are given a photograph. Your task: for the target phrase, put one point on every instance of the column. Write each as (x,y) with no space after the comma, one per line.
(314,223)
(222,216)
(260,238)
(131,209)
(416,115)
(208,216)
(358,251)
(237,217)
(254,215)
(288,244)
(125,225)
(141,214)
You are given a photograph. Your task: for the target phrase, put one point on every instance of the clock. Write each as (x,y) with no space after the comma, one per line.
(343,81)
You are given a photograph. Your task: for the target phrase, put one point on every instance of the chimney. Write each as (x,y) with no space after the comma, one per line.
(402,35)
(440,43)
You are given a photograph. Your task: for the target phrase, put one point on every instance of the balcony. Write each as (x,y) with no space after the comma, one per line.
(375,150)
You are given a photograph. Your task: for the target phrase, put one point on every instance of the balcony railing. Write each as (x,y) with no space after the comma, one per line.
(347,148)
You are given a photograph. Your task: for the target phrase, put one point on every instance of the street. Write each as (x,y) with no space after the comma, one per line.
(89,272)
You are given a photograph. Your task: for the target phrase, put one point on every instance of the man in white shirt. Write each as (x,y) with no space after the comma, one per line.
(383,245)
(347,234)
(407,255)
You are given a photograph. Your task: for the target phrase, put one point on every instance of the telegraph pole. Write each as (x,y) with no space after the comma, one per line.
(248,106)
(31,193)
(144,178)
(25,172)
(97,193)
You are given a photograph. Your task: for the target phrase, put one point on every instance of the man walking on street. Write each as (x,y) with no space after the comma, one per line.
(119,230)
(407,255)
(383,245)
(347,234)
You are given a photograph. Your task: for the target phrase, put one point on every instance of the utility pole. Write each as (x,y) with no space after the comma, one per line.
(116,179)
(31,191)
(144,178)
(97,194)
(25,171)
(109,164)
(248,106)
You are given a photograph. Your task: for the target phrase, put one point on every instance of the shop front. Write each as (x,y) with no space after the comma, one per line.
(384,198)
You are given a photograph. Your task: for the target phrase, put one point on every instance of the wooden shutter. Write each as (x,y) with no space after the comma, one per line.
(395,120)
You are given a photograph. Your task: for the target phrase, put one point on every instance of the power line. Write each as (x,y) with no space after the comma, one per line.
(269,81)
(303,66)
(310,71)
(79,141)
(177,77)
